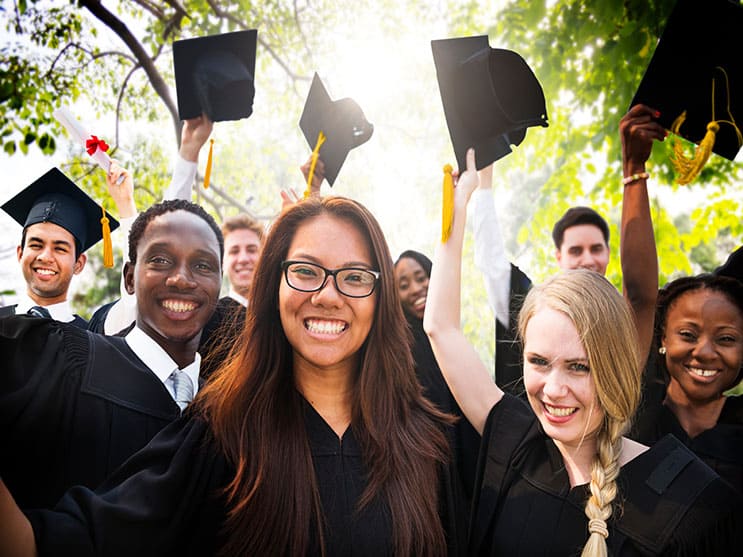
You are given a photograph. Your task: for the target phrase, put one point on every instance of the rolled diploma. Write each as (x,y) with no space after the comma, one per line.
(78,133)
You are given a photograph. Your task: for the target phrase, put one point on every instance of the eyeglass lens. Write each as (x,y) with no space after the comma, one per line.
(309,277)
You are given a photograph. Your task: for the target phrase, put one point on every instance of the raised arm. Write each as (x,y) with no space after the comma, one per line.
(639,259)
(490,253)
(194,134)
(466,375)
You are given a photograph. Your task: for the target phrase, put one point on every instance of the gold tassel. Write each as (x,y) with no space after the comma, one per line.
(315,155)
(447,213)
(208,171)
(687,169)
(108,252)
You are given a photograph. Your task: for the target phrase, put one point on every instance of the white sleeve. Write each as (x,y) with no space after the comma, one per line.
(184,173)
(124,312)
(490,253)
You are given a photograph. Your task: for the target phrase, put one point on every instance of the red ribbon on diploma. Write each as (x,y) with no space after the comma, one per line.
(93,144)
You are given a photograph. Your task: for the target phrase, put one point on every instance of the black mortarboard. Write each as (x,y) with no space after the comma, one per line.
(490,97)
(215,75)
(699,38)
(733,267)
(342,122)
(57,199)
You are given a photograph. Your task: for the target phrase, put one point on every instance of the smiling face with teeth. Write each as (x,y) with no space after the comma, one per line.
(176,279)
(558,381)
(703,337)
(48,262)
(326,329)
(412,285)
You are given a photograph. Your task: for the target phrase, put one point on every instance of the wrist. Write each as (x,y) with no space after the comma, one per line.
(636,177)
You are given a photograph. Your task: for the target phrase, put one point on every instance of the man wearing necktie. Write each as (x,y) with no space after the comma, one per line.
(78,404)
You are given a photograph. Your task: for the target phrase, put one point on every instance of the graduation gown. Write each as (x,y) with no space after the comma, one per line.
(463,438)
(508,359)
(671,502)
(219,334)
(166,500)
(77,321)
(721,447)
(73,406)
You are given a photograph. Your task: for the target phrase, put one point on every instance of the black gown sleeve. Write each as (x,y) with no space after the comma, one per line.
(42,365)
(509,423)
(508,369)
(165,500)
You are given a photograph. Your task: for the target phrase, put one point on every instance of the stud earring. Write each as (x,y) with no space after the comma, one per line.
(662,350)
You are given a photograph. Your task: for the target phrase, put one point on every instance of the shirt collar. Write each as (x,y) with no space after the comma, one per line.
(238,298)
(157,359)
(59,312)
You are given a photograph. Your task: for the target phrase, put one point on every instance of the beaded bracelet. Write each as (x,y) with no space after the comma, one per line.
(635,177)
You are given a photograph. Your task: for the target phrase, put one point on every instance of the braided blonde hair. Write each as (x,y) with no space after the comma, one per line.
(607,331)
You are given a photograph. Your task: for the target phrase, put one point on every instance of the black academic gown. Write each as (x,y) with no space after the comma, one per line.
(220,334)
(77,321)
(671,502)
(508,359)
(167,500)
(73,406)
(463,438)
(721,447)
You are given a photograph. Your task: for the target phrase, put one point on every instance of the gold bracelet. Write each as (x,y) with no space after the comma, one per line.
(641,176)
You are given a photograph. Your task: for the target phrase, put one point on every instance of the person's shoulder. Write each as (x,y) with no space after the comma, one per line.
(667,490)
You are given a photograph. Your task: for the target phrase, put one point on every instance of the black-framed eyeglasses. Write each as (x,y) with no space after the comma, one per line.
(353,282)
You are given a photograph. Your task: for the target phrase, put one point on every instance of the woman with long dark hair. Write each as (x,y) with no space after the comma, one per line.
(315,438)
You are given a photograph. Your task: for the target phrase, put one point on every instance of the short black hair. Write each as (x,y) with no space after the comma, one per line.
(575,216)
(422,260)
(169,206)
(729,287)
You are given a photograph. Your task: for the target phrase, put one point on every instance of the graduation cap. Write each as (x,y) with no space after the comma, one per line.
(733,267)
(215,75)
(342,123)
(695,77)
(490,97)
(55,198)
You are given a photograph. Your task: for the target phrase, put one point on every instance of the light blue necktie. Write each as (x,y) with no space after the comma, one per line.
(183,387)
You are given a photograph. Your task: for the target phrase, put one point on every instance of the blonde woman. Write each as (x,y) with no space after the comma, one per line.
(557,476)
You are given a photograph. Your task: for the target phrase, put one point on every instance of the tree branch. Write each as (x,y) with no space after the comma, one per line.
(158,83)
(120,98)
(219,12)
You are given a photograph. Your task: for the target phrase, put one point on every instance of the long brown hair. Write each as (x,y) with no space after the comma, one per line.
(256,414)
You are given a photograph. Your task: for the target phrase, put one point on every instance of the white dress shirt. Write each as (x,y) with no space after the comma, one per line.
(490,253)
(158,360)
(59,312)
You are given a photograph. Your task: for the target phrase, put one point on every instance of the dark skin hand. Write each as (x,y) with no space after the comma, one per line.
(638,255)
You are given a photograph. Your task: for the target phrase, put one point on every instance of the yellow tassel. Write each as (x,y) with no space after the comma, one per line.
(315,155)
(687,169)
(208,171)
(108,252)
(447,213)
